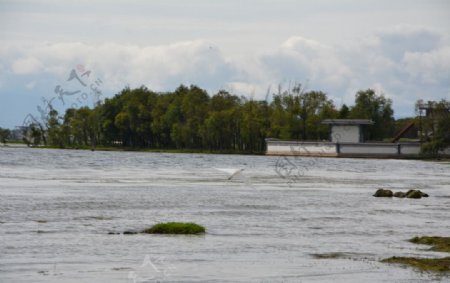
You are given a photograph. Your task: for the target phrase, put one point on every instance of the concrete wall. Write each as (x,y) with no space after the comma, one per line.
(410,149)
(368,149)
(275,147)
(301,148)
(345,133)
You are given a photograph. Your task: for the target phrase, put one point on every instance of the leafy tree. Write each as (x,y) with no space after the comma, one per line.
(55,133)
(189,118)
(369,105)
(36,134)
(435,126)
(344,112)
(222,123)
(194,109)
(4,134)
(297,114)
(254,125)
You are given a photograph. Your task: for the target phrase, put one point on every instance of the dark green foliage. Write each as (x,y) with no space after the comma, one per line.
(369,105)
(439,244)
(435,127)
(297,115)
(423,264)
(189,119)
(4,134)
(175,228)
(344,112)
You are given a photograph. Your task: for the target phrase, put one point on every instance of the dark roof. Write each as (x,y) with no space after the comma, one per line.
(347,122)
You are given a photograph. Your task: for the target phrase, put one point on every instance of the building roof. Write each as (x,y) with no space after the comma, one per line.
(347,122)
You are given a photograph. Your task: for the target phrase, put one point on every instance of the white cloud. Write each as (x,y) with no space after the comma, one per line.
(402,39)
(335,47)
(26,65)
(159,67)
(340,71)
(429,67)
(304,59)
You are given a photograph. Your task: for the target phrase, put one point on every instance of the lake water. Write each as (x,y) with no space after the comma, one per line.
(280,220)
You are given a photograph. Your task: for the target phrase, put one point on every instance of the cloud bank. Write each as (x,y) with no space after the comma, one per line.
(406,63)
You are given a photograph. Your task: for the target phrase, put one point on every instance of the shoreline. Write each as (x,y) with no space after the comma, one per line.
(130,149)
(224,152)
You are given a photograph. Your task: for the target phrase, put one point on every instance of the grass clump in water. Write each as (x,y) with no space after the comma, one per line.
(329,255)
(439,244)
(423,264)
(176,228)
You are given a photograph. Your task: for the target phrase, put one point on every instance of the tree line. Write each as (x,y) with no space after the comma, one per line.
(190,118)
(434,122)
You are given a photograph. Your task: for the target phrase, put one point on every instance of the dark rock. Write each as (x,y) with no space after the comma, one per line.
(414,194)
(383,193)
(130,232)
(399,194)
(424,195)
(113,233)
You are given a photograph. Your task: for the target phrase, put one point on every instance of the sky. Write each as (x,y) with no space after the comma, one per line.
(248,47)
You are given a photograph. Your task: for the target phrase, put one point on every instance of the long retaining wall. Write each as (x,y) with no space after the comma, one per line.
(301,148)
(380,150)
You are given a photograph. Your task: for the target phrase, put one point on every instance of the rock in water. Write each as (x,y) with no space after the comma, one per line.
(383,193)
(399,194)
(414,194)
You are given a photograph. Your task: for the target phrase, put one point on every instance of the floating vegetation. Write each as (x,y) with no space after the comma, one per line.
(176,228)
(439,244)
(423,264)
(330,255)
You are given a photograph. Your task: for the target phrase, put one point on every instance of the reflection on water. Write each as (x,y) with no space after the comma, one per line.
(57,208)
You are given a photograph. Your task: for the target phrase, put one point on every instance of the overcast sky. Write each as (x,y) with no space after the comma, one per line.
(399,48)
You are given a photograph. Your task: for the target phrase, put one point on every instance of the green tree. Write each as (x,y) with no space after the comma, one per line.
(194,108)
(55,133)
(297,114)
(162,120)
(254,125)
(436,126)
(369,105)
(4,134)
(344,112)
(222,123)
(35,134)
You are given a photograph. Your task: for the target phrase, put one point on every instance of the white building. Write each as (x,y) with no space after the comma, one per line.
(347,130)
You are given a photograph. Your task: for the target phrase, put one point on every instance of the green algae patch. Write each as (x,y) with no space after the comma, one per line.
(422,264)
(438,244)
(176,228)
(335,255)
